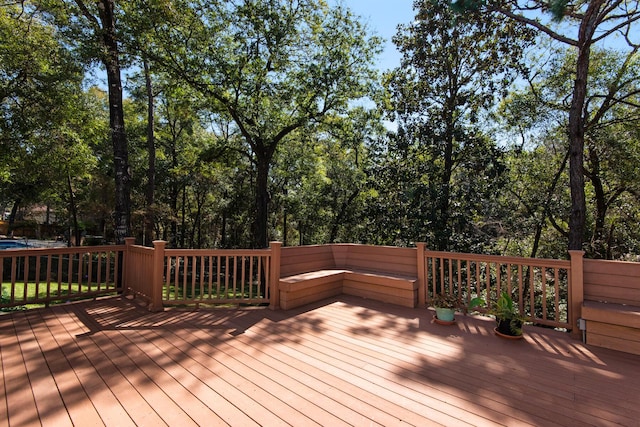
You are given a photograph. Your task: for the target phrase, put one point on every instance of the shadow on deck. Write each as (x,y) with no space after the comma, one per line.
(344,361)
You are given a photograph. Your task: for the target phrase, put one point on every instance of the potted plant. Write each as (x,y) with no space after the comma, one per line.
(509,320)
(445,306)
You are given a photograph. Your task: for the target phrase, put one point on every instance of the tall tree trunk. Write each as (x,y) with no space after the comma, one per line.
(577,217)
(444,231)
(74,213)
(174,194)
(183,215)
(341,214)
(116,122)
(12,215)
(260,235)
(151,148)
(588,25)
(598,239)
(264,155)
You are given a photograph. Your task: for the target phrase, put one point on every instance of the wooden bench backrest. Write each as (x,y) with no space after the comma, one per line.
(612,281)
(303,259)
(384,259)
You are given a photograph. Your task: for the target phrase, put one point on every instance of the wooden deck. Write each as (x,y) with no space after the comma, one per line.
(345,361)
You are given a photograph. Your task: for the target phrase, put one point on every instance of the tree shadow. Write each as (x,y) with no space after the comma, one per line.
(548,378)
(114,347)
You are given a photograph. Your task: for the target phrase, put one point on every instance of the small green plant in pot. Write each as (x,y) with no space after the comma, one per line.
(445,306)
(508,318)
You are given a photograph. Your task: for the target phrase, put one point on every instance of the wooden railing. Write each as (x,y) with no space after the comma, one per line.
(549,292)
(46,275)
(540,287)
(199,276)
(139,270)
(216,276)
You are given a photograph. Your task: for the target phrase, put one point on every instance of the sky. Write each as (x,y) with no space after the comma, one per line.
(382,17)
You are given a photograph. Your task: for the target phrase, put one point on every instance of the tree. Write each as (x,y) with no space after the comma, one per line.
(149,219)
(272,67)
(610,108)
(91,29)
(41,115)
(320,182)
(584,24)
(453,66)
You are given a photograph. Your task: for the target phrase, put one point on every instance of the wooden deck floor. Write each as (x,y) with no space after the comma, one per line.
(346,361)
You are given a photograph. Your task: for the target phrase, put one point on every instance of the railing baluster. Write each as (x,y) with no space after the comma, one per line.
(487,272)
(468,271)
(544,293)
(242,281)
(176,281)
(59,279)
(218,277)
(499,276)
(99,257)
(251,260)
(107,262)
(226,276)
(167,276)
(37,278)
(25,275)
(532,291)
(210,270)
(520,289)
(556,292)
(511,275)
(90,271)
(14,266)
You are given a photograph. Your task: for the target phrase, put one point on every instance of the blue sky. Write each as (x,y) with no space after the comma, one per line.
(382,17)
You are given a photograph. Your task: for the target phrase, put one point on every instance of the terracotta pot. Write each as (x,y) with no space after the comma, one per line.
(509,337)
(443,322)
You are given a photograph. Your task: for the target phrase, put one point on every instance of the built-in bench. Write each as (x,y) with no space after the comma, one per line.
(612,313)
(347,269)
(309,287)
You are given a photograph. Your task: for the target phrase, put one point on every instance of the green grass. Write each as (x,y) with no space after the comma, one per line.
(36,295)
(194,293)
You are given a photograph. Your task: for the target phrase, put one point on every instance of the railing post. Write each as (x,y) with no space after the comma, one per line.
(124,277)
(274,280)
(157,275)
(422,288)
(576,290)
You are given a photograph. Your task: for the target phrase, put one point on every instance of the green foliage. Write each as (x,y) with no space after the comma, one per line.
(262,111)
(270,68)
(505,310)
(538,164)
(445,301)
(453,68)
(44,128)
(558,9)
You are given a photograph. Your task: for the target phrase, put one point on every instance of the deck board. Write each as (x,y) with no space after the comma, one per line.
(343,361)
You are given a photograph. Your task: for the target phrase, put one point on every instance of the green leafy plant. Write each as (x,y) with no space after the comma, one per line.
(507,315)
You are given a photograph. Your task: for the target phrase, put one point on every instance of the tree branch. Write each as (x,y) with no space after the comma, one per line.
(93,21)
(537,25)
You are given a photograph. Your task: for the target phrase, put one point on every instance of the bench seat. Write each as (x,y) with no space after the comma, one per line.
(306,288)
(613,326)
(383,287)
(313,286)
